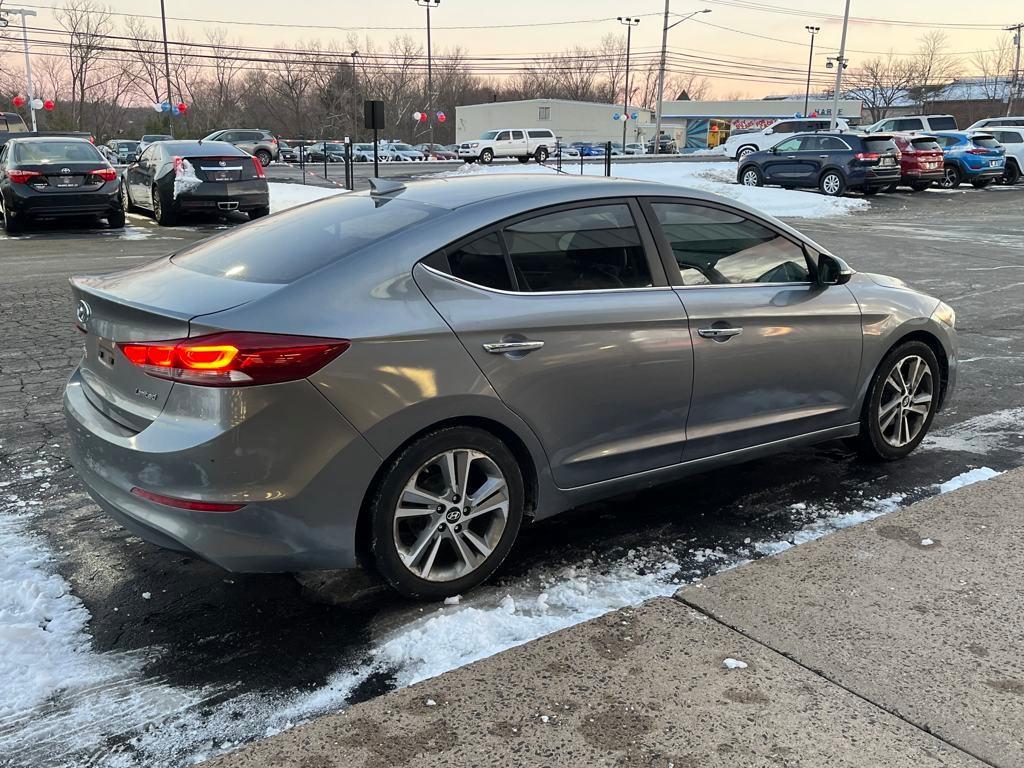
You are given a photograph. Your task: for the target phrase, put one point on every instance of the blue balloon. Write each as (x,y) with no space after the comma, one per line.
(796,114)
(635,115)
(615,116)
(175,110)
(165,107)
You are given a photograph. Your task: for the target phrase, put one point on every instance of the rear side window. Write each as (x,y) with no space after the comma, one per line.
(1008,137)
(943,123)
(540,134)
(985,141)
(328,231)
(481,262)
(56,152)
(908,124)
(716,247)
(517,135)
(881,146)
(593,248)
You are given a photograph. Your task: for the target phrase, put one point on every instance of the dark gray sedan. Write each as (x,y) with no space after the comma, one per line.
(399,379)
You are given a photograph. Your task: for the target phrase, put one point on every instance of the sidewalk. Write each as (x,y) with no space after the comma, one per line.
(895,643)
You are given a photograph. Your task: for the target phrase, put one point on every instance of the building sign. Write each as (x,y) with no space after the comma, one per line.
(748,123)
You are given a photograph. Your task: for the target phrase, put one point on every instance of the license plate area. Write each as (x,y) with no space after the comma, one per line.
(888,161)
(65,182)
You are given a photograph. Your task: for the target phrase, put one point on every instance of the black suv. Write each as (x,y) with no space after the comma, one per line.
(832,162)
(260,143)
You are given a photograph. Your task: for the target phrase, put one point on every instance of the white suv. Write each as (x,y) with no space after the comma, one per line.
(1010,121)
(521,143)
(739,145)
(909,123)
(1012,139)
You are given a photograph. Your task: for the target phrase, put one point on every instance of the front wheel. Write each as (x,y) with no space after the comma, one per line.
(486,157)
(832,184)
(751,177)
(1011,174)
(871,191)
(264,157)
(890,188)
(901,402)
(446,513)
(951,178)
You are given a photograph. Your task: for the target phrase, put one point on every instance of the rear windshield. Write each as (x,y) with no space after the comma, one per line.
(926,145)
(942,123)
(206,149)
(284,248)
(880,146)
(42,152)
(150,138)
(985,141)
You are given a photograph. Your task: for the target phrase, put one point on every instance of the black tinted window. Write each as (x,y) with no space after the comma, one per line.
(481,262)
(943,123)
(713,246)
(539,134)
(42,152)
(986,142)
(908,124)
(881,146)
(286,247)
(582,249)
(785,128)
(1008,137)
(831,143)
(926,145)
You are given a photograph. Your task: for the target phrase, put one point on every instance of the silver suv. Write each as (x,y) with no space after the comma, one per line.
(259,143)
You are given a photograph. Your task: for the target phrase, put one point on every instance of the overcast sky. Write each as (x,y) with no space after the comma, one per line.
(761,37)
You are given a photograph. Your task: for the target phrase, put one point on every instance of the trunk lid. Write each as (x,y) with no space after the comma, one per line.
(66,176)
(154,302)
(223,169)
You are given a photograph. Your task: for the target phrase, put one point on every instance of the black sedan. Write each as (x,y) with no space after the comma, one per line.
(175,177)
(46,177)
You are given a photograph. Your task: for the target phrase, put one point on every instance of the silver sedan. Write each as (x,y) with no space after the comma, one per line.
(400,379)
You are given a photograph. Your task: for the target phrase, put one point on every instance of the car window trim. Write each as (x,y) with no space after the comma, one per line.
(669,260)
(655,266)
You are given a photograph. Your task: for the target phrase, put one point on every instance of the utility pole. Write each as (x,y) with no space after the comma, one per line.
(810,61)
(1015,79)
(661,68)
(630,22)
(29,90)
(355,99)
(840,66)
(167,69)
(428,4)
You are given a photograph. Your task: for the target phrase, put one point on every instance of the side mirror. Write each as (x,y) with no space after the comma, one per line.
(769,131)
(832,270)
(774,150)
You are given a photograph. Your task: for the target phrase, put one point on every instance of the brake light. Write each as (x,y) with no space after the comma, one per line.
(274,142)
(194,506)
(259,168)
(179,166)
(866,156)
(22,177)
(978,151)
(233,359)
(107,174)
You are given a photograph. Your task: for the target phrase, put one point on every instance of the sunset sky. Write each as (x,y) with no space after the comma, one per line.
(767,36)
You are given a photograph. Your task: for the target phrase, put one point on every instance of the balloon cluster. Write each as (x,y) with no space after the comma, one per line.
(422,117)
(621,116)
(175,109)
(20,101)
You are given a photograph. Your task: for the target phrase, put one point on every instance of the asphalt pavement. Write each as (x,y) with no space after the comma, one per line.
(224,641)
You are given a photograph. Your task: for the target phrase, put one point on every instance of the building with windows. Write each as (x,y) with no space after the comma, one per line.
(569,120)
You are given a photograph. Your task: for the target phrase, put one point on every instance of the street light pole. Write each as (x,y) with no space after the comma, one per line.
(428,4)
(630,22)
(661,68)
(810,61)
(29,90)
(840,66)
(167,68)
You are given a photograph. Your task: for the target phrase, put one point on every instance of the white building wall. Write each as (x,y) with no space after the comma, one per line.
(569,120)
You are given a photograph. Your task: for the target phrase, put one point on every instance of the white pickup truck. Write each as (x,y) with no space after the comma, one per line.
(520,143)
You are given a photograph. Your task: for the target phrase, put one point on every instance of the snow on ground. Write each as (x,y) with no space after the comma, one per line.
(284,196)
(979,435)
(968,478)
(719,178)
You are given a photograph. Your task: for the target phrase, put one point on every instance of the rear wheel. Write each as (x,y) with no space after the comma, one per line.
(486,156)
(13,225)
(920,186)
(258,213)
(163,212)
(116,219)
(901,402)
(523,159)
(951,177)
(832,183)
(891,188)
(871,191)
(264,157)
(751,177)
(541,155)
(126,200)
(744,151)
(1011,174)
(981,183)
(446,513)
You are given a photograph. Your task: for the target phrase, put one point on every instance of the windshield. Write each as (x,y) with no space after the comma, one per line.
(42,152)
(489,135)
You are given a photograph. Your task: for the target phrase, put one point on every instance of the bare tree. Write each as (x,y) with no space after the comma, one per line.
(935,67)
(993,67)
(86,25)
(881,82)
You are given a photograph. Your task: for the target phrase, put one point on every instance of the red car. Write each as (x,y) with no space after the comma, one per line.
(921,161)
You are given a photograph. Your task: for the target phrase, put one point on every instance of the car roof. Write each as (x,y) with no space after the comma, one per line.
(47,139)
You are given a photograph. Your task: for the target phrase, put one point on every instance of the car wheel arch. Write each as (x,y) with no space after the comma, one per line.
(912,332)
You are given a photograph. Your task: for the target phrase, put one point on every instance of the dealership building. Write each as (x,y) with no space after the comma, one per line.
(693,125)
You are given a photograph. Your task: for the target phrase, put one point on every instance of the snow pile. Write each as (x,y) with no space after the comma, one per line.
(734,664)
(284,196)
(719,178)
(829,521)
(186,180)
(968,478)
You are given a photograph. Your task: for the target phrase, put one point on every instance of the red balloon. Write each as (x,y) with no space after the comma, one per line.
(441,117)
(183,108)
(423,117)
(19,101)
(48,105)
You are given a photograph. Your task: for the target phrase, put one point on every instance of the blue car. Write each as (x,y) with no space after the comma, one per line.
(832,162)
(974,157)
(586,149)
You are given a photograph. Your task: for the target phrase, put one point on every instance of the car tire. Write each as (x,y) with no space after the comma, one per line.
(163,213)
(891,188)
(258,213)
(951,177)
(126,199)
(486,156)
(870,191)
(425,542)
(470,160)
(920,186)
(981,183)
(541,155)
(1011,174)
(264,157)
(742,152)
(524,159)
(13,225)
(885,422)
(751,176)
(116,219)
(832,184)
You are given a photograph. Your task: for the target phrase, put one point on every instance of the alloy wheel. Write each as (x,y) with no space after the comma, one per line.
(750,178)
(950,178)
(744,152)
(451,515)
(831,184)
(907,398)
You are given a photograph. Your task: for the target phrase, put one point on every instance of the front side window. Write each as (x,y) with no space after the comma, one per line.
(583,249)
(789,145)
(481,262)
(503,136)
(717,247)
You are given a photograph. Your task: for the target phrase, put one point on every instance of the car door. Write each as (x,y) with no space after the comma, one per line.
(782,165)
(503,144)
(775,353)
(519,147)
(568,314)
(140,176)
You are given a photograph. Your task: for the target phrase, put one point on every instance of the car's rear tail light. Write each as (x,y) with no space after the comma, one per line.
(233,359)
(866,156)
(107,174)
(259,168)
(189,504)
(981,151)
(22,177)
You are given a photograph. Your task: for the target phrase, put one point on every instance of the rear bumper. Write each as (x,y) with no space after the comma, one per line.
(875,177)
(30,202)
(233,195)
(302,486)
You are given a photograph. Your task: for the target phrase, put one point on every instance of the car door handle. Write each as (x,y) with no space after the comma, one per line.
(504,347)
(824,156)
(719,333)
(791,157)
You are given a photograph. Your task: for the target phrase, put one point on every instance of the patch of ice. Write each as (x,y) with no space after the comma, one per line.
(454,600)
(926,542)
(284,196)
(431,703)
(967,478)
(734,664)
(980,434)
